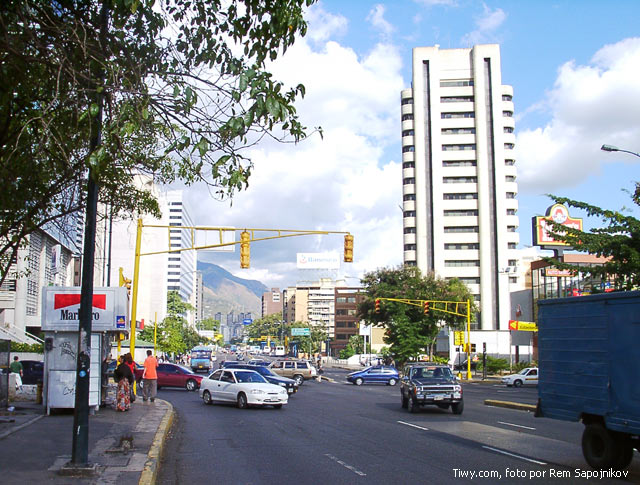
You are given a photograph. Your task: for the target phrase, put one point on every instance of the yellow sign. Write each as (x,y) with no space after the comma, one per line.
(523,326)
(458,337)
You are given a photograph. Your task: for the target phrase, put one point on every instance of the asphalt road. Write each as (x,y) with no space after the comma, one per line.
(339,433)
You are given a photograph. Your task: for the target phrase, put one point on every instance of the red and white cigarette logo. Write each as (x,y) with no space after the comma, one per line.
(70,299)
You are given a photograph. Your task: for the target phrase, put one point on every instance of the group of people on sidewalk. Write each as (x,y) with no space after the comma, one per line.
(124,375)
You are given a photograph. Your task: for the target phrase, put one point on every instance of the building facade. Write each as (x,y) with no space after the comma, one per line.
(271,302)
(346,316)
(459,176)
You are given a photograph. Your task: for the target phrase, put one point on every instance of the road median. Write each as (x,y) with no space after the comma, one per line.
(510,405)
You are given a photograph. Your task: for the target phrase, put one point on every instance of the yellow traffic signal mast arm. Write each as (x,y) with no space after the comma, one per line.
(450,307)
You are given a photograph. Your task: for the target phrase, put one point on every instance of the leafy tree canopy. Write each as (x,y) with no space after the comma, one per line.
(209,324)
(408,330)
(185,91)
(618,240)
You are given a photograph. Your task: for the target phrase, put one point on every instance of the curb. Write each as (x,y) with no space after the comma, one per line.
(150,471)
(23,425)
(510,405)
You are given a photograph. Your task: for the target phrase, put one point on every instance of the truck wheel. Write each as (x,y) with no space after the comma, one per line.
(412,407)
(457,407)
(626,455)
(517,383)
(601,447)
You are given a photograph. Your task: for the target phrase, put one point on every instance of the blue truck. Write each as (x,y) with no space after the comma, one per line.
(589,363)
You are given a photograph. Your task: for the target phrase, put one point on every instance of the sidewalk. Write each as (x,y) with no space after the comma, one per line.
(125,447)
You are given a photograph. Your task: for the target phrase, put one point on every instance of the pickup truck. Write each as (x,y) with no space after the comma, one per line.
(588,360)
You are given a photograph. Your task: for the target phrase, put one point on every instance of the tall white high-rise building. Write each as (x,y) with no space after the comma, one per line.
(459,174)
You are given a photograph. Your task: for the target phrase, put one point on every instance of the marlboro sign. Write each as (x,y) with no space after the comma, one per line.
(61,305)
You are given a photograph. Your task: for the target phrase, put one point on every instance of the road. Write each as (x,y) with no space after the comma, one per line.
(339,433)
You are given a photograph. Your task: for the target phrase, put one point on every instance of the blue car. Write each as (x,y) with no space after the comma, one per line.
(382,374)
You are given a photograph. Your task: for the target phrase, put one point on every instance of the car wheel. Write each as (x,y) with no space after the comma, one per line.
(277,406)
(405,401)
(457,407)
(392,382)
(299,379)
(191,385)
(206,397)
(242,401)
(359,381)
(517,383)
(412,407)
(603,449)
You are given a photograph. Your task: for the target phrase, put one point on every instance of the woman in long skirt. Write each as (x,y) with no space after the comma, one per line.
(124,378)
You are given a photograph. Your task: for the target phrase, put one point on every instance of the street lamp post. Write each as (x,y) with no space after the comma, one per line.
(611,148)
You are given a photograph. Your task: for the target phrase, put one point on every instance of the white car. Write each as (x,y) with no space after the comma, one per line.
(528,376)
(243,387)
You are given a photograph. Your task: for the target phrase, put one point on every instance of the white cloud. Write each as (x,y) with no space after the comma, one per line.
(486,25)
(323,25)
(377,20)
(343,183)
(589,105)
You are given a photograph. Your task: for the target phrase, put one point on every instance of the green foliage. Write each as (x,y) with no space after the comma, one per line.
(19,347)
(439,360)
(179,90)
(494,365)
(209,324)
(518,366)
(410,332)
(269,326)
(618,239)
(174,334)
(355,346)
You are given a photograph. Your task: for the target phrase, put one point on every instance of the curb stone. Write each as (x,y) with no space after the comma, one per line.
(150,471)
(510,405)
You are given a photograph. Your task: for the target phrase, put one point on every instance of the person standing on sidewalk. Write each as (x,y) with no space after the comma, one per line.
(16,368)
(150,378)
(124,377)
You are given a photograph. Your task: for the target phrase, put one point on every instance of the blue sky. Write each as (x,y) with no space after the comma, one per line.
(574,67)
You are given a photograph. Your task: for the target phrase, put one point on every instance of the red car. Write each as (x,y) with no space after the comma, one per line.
(173,375)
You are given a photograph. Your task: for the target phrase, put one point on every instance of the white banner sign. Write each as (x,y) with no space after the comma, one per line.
(328,260)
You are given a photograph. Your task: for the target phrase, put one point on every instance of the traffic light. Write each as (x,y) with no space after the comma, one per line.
(123,281)
(377,305)
(426,307)
(348,248)
(245,253)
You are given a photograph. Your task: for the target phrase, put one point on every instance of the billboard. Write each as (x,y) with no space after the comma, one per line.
(327,260)
(542,225)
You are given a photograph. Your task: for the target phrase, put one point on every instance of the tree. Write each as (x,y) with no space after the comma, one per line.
(409,331)
(185,88)
(307,343)
(174,334)
(618,240)
(269,326)
(354,346)
(209,324)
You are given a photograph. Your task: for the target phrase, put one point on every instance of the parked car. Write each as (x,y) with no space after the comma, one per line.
(173,375)
(430,384)
(377,374)
(528,376)
(32,371)
(259,362)
(289,384)
(297,370)
(244,387)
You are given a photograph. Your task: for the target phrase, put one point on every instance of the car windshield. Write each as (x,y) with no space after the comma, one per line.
(249,376)
(431,372)
(524,371)
(201,354)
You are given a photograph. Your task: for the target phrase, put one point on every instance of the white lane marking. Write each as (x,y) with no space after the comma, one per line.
(414,426)
(516,425)
(348,467)
(515,456)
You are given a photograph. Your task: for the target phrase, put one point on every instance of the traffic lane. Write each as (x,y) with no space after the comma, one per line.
(524,395)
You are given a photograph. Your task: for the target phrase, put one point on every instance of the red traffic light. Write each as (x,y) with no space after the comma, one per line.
(426,307)
(377,305)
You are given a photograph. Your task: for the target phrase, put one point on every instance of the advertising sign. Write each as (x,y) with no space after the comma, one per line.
(328,260)
(523,326)
(300,332)
(247,321)
(542,226)
(559,272)
(61,304)
(458,337)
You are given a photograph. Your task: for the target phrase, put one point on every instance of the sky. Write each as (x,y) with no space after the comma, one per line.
(574,66)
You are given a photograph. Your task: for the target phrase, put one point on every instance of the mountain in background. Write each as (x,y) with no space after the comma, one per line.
(226,293)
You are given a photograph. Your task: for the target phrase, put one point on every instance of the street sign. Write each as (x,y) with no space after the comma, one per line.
(523,326)
(458,337)
(300,332)
(247,321)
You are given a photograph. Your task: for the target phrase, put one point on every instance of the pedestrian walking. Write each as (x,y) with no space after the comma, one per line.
(129,361)
(16,369)
(150,378)
(124,377)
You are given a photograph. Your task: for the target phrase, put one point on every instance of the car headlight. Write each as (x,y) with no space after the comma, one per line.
(257,391)
(283,384)
(283,391)
(457,388)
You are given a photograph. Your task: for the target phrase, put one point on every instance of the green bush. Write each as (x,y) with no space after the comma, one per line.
(346,352)
(494,365)
(517,367)
(35,348)
(439,360)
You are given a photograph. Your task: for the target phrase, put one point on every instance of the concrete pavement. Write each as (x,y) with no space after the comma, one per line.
(124,447)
